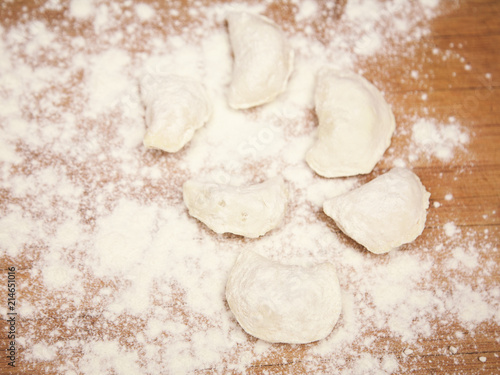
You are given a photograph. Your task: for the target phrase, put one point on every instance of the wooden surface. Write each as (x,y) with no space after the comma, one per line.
(472,30)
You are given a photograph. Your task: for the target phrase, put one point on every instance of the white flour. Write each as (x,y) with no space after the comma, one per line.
(437,140)
(98,223)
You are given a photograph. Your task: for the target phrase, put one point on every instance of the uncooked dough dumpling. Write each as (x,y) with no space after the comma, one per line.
(383,214)
(176,107)
(283,303)
(249,211)
(355,125)
(263,60)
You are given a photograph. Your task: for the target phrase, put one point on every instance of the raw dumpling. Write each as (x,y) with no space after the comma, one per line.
(263,60)
(281,303)
(249,211)
(176,107)
(384,213)
(355,125)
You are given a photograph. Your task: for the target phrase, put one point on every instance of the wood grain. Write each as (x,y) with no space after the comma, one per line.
(471,30)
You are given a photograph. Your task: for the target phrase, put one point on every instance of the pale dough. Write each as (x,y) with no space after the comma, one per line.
(355,125)
(283,303)
(176,107)
(263,60)
(249,211)
(384,213)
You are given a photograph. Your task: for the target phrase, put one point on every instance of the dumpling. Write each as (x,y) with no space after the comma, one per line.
(176,107)
(383,214)
(263,60)
(283,303)
(249,211)
(355,125)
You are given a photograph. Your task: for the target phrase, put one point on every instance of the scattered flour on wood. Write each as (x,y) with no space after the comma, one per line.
(436,140)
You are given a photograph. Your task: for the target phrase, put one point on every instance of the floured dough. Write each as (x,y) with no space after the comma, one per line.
(355,125)
(263,60)
(384,213)
(281,303)
(249,211)
(176,107)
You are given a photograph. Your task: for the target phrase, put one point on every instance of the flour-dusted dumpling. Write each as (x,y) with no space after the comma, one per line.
(176,107)
(263,60)
(249,211)
(355,125)
(283,303)
(384,213)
